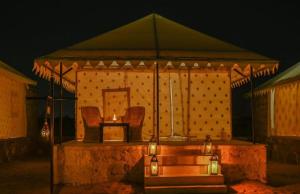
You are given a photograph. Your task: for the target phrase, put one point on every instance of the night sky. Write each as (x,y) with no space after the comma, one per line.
(29,30)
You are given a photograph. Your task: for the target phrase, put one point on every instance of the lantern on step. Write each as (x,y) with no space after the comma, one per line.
(214,164)
(154,166)
(152,147)
(207,145)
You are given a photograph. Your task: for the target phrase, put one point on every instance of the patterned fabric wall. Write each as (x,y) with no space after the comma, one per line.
(210,100)
(210,107)
(287,106)
(12,111)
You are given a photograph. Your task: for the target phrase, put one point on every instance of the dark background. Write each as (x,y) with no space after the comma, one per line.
(30,29)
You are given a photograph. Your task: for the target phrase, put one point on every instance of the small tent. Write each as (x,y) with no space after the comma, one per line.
(13,114)
(277,104)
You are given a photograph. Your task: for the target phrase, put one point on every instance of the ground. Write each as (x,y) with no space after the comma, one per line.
(31,176)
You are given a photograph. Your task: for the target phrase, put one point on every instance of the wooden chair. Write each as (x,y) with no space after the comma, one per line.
(91,118)
(135,117)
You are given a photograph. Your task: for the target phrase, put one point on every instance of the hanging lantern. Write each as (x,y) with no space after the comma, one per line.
(214,164)
(207,145)
(152,147)
(154,166)
(45,132)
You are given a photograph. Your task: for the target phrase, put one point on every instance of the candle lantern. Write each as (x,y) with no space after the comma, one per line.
(154,166)
(214,164)
(152,147)
(207,145)
(114,117)
(45,132)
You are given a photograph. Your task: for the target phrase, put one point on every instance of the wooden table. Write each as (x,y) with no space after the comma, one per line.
(114,124)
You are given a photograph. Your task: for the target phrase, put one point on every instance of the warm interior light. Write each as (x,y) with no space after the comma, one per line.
(154,166)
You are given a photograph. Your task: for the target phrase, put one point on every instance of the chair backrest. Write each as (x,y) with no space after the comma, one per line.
(135,115)
(91,116)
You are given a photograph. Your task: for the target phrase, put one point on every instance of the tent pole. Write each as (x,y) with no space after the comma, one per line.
(157,77)
(252,104)
(52,133)
(157,103)
(60,103)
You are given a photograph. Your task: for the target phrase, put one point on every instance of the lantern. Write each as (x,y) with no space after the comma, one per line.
(154,166)
(214,164)
(45,132)
(207,145)
(152,147)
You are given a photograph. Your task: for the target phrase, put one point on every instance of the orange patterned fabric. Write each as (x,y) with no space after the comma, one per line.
(287,114)
(13,109)
(210,99)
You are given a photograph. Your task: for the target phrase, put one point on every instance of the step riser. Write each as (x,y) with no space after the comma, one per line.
(180,170)
(179,160)
(176,190)
(180,150)
(181,181)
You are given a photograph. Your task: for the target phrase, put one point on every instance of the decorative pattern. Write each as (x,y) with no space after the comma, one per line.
(210,109)
(210,101)
(43,68)
(287,106)
(12,112)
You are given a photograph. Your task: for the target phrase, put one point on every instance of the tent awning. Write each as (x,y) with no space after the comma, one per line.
(291,74)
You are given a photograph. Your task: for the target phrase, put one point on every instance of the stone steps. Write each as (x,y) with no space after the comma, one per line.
(169,160)
(181,180)
(182,169)
(186,189)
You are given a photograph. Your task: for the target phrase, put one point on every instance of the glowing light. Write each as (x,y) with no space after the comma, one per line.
(214,164)
(152,147)
(45,132)
(114,117)
(154,166)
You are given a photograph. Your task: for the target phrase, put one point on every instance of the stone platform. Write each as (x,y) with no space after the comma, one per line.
(80,163)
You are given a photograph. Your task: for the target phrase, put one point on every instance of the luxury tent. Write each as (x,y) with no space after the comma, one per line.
(277,101)
(183,78)
(154,79)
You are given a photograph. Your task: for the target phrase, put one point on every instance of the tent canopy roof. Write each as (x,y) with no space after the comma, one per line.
(152,39)
(16,74)
(150,34)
